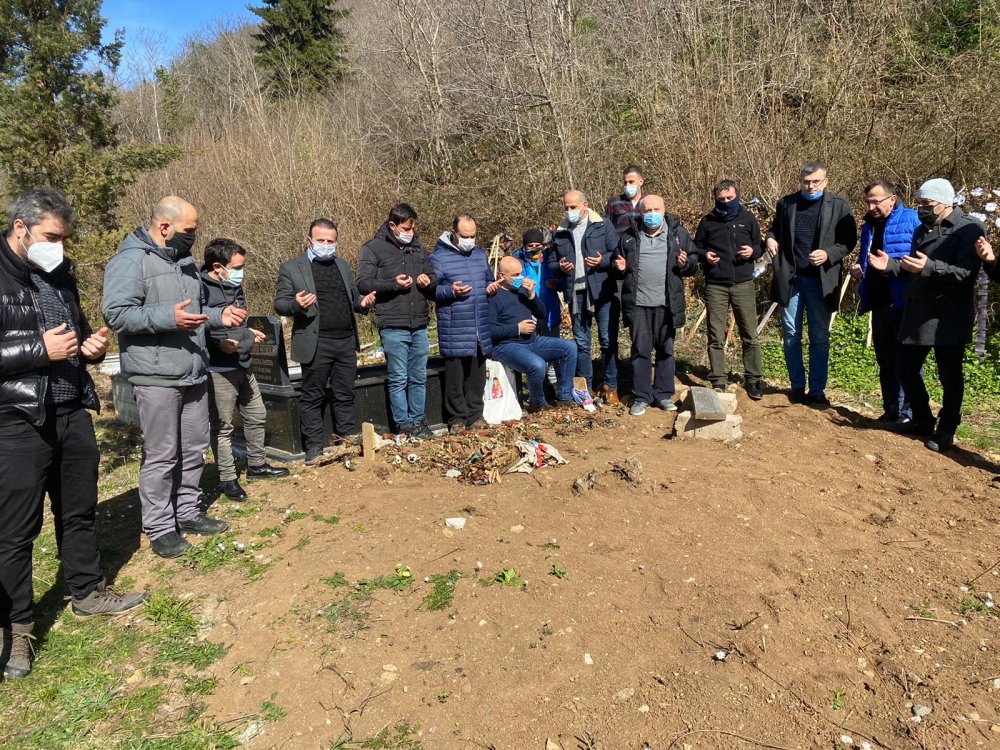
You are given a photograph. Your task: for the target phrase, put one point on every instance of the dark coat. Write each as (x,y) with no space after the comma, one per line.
(723,237)
(220,296)
(675,285)
(295,276)
(993,270)
(507,309)
(380,262)
(838,234)
(940,301)
(463,322)
(599,238)
(24,361)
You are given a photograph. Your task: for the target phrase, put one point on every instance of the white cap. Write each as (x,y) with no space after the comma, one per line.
(939,190)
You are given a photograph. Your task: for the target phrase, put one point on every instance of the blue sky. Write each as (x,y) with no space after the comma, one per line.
(172,20)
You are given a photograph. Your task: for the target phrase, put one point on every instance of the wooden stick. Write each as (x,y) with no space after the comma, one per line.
(694,328)
(915,618)
(767,317)
(732,329)
(843,292)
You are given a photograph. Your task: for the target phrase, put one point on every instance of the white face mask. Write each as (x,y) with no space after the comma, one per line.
(405,238)
(324,252)
(466,243)
(47,256)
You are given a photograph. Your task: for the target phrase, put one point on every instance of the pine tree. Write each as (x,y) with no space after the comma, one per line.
(302,44)
(56,109)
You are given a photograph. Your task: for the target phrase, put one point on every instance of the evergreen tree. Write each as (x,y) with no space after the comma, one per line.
(302,44)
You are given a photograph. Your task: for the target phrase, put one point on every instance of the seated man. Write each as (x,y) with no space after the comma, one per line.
(513,310)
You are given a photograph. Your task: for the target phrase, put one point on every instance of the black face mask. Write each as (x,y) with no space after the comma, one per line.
(181,243)
(927,216)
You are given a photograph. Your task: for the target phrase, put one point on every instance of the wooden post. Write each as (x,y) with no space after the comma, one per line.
(843,292)
(694,328)
(767,317)
(367,440)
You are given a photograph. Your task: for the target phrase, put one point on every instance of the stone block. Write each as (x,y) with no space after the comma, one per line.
(728,401)
(725,430)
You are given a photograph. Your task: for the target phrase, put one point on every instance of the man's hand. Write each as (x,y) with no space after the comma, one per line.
(368,301)
(403,281)
(713,258)
(878,260)
(745,252)
(423,281)
(771,245)
(818,257)
(60,344)
(186,321)
(459,289)
(526,327)
(565,266)
(985,250)
(856,272)
(305,300)
(233,316)
(592,262)
(551,284)
(492,288)
(259,337)
(621,263)
(914,265)
(682,258)
(96,344)
(529,286)
(228,346)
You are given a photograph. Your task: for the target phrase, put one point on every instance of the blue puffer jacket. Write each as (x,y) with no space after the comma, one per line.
(899,229)
(463,322)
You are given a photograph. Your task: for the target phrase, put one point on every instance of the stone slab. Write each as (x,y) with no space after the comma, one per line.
(704,403)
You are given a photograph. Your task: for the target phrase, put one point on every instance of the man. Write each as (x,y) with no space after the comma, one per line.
(939,309)
(623,210)
(888,227)
(395,266)
(464,281)
(316,289)
(585,246)
(534,258)
(514,312)
(231,385)
(47,441)
(813,231)
(153,301)
(655,254)
(728,242)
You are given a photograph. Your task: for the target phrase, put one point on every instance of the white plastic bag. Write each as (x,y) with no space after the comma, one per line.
(499,400)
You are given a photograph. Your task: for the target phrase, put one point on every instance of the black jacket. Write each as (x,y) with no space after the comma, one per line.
(681,240)
(23,360)
(940,302)
(380,262)
(220,296)
(724,238)
(838,234)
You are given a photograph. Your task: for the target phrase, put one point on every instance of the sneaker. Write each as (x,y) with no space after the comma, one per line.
(202,525)
(609,395)
(21,652)
(638,408)
(817,399)
(313,455)
(754,391)
(105,600)
(231,489)
(941,442)
(266,471)
(797,395)
(422,431)
(666,404)
(170,545)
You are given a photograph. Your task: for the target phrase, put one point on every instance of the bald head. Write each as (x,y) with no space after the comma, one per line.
(510,266)
(574,200)
(172,214)
(652,203)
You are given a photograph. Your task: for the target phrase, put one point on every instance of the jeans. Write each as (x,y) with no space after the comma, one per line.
(949,363)
(807,298)
(229,391)
(743,298)
(608,314)
(653,331)
(532,359)
(406,351)
(885,341)
(464,383)
(335,364)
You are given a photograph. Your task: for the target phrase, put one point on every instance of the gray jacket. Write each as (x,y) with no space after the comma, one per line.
(295,276)
(142,283)
(940,301)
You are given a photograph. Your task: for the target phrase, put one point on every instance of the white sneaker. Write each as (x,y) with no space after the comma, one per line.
(667,405)
(638,408)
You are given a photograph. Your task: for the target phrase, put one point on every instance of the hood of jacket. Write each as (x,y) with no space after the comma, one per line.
(592,218)
(444,242)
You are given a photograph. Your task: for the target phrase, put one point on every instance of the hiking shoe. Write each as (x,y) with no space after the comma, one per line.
(266,471)
(609,395)
(754,391)
(231,489)
(202,525)
(170,545)
(797,395)
(105,600)
(638,408)
(422,431)
(21,652)
(666,404)
(456,428)
(941,443)
(479,424)
(313,455)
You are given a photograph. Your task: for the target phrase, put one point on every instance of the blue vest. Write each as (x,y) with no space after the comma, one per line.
(898,239)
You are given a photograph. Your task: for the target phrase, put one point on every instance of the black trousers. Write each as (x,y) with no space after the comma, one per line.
(464,381)
(59,457)
(949,362)
(653,331)
(336,363)
(885,340)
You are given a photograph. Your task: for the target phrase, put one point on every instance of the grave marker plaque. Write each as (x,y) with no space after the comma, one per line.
(268,362)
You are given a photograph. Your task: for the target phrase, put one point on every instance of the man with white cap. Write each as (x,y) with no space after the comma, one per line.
(939,310)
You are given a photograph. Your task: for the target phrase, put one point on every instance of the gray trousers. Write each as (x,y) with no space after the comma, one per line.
(229,391)
(743,299)
(174,423)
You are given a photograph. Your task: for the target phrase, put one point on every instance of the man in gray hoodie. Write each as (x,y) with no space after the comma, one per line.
(153,301)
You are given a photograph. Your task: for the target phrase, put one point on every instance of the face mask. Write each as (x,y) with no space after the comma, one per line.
(652,220)
(812,196)
(47,256)
(534,252)
(631,191)
(235,277)
(466,243)
(727,209)
(405,238)
(324,252)
(573,217)
(516,282)
(182,242)
(925,213)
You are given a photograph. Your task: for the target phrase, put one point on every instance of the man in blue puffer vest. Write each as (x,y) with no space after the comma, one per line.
(463,316)
(888,227)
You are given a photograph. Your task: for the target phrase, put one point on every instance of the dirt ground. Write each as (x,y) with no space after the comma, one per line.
(827,558)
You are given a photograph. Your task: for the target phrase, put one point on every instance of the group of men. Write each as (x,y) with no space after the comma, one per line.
(185,345)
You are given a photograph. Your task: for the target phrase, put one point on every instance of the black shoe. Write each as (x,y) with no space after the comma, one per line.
(479,424)
(915,429)
(536,408)
(231,489)
(941,443)
(423,432)
(564,403)
(754,391)
(405,428)
(817,399)
(797,395)
(887,418)
(264,471)
(170,545)
(313,455)
(719,388)
(202,525)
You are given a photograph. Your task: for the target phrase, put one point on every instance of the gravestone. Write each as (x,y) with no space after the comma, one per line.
(706,406)
(268,361)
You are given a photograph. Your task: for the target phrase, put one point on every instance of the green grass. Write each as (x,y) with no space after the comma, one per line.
(558,571)
(218,551)
(507,577)
(292,515)
(400,737)
(442,592)
(331,520)
(337,580)
(350,613)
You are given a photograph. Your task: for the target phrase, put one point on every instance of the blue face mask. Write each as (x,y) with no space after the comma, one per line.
(631,190)
(813,197)
(323,252)
(573,217)
(652,220)
(516,282)
(235,277)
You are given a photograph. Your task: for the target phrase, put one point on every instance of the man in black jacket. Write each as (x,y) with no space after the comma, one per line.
(397,268)
(939,308)
(231,384)
(813,231)
(47,441)
(728,242)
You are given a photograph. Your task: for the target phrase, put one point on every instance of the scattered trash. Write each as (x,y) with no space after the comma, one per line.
(535,455)
(349,464)
(720,655)
(920,710)
(584,399)
(453,473)
(588,660)
(413,458)
(252,729)
(585,483)
(455,523)
(398,460)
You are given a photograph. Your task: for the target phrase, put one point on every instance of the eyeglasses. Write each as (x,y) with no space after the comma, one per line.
(873,203)
(813,183)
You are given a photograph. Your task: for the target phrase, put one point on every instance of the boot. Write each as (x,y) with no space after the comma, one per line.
(104,600)
(21,651)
